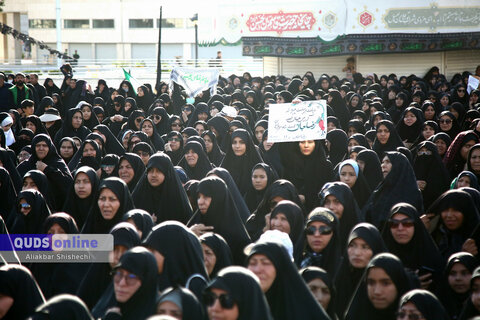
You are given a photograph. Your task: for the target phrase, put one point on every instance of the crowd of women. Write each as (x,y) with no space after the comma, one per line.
(211,220)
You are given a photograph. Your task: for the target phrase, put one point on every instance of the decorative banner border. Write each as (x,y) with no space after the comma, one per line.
(359,44)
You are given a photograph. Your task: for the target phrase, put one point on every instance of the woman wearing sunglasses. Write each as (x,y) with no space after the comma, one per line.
(321,244)
(406,237)
(31,212)
(135,285)
(236,294)
(287,294)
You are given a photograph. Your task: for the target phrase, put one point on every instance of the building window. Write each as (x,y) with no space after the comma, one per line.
(171,23)
(76,23)
(42,23)
(103,23)
(140,23)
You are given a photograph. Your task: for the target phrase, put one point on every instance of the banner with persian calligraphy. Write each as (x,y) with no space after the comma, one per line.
(306,120)
(406,16)
(329,19)
(269,18)
(195,80)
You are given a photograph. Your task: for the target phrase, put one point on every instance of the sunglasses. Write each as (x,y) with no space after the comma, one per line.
(157,117)
(445,121)
(410,316)
(406,223)
(105,166)
(226,301)
(130,278)
(175,124)
(323,230)
(424,153)
(461,90)
(138,120)
(24,206)
(143,154)
(174,140)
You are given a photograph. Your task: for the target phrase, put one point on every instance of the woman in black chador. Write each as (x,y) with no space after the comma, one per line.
(216,208)
(160,192)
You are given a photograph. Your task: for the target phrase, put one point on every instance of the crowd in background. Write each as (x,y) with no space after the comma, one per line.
(210,220)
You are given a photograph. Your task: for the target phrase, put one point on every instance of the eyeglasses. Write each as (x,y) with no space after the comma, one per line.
(175,124)
(406,223)
(410,316)
(174,140)
(226,301)
(323,230)
(424,153)
(24,206)
(130,278)
(445,121)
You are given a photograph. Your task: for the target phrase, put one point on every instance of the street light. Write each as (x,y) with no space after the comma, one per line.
(194,19)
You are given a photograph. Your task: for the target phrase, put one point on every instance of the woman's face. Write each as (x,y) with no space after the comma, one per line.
(319,239)
(140,92)
(208,143)
(320,291)
(125,140)
(147,127)
(259,179)
(380,288)
(348,175)
(402,228)
(428,132)
(441,146)
(28,183)
(410,311)
(280,222)
(352,143)
(475,160)
(383,134)
(115,255)
(155,177)
(332,203)
(216,311)
(409,119)
(399,102)
(77,120)
(476,293)
(445,123)
(444,101)
(238,146)
(209,257)
(203,202)
(264,269)
(465,148)
(125,285)
(83,186)
(157,118)
(125,171)
(203,116)
(24,207)
(259,130)
(463,181)
(108,204)
(30,125)
(359,253)
(330,126)
(351,131)
(200,128)
(87,112)
(429,113)
(191,157)
(391,95)
(89,151)
(459,278)
(41,150)
(354,102)
(307,147)
(386,166)
(452,218)
(169,308)
(137,121)
(56,229)
(461,92)
(280,99)
(174,142)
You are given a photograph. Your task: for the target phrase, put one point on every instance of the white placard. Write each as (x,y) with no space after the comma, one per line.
(473,84)
(195,80)
(297,122)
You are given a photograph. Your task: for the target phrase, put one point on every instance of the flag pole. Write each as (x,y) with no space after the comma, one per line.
(159,54)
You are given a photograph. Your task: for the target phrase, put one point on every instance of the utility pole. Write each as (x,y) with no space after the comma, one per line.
(159,54)
(59,33)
